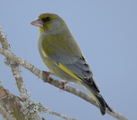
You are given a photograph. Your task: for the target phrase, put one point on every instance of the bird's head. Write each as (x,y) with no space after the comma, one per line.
(48,22)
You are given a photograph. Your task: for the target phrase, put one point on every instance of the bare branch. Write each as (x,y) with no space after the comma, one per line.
(54,82)
(26,101)
(5,114)
(12,104)
(14,67)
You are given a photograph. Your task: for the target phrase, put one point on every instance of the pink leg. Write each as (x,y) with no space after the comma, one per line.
(48,74)
(64,84)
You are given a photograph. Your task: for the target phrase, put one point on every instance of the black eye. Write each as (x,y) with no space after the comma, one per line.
(46,19)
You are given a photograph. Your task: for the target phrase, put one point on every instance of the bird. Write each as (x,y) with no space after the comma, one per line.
(62,55)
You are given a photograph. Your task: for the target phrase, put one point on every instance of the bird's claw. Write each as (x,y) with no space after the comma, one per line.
(48,74)
(64,84)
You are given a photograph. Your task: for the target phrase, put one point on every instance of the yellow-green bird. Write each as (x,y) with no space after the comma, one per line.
(62,55)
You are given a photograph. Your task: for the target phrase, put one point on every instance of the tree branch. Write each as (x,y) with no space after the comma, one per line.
(54,82)
(29,106)
(5,114)
(12,104)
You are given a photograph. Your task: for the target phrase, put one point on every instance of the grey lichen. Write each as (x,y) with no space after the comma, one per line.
(63,116)
(8,62)
(17,70)
(24,93)
(43,109)
(33,107)
(26,106)
(2,33)
(10,95)
(36,117)
(30,107)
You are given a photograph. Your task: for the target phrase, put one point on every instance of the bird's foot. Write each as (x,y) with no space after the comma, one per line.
(48,74)
(64,84)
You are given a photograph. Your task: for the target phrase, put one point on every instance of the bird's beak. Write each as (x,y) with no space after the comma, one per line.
(37,23)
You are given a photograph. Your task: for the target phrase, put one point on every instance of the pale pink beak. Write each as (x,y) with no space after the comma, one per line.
(37,23)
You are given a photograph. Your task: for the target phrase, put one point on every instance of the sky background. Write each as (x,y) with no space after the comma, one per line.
(106,31)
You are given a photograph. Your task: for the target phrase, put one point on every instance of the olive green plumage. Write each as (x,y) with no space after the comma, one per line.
(62,55)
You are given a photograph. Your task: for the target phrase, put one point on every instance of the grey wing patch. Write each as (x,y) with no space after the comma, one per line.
(78,66)
(75,64)
(64,59)
(82,70)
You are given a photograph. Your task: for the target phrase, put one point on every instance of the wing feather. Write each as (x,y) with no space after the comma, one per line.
(68,58)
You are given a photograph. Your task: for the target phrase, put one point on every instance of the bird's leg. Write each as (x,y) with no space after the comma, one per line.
(64,84)
(48,74)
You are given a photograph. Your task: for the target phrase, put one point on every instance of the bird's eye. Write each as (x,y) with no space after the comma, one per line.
(46,19)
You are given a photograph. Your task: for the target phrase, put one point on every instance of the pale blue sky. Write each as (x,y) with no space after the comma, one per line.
(107,34)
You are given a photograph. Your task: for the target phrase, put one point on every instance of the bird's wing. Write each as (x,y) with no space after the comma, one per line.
(68,57)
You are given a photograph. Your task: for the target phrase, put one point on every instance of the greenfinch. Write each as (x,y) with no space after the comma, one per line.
(62,55)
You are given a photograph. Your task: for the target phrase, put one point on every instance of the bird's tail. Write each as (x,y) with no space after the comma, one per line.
(100,101)
(98,98)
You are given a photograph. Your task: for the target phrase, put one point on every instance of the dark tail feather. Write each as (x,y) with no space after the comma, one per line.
(109,108)
(102,104)
(94,91)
